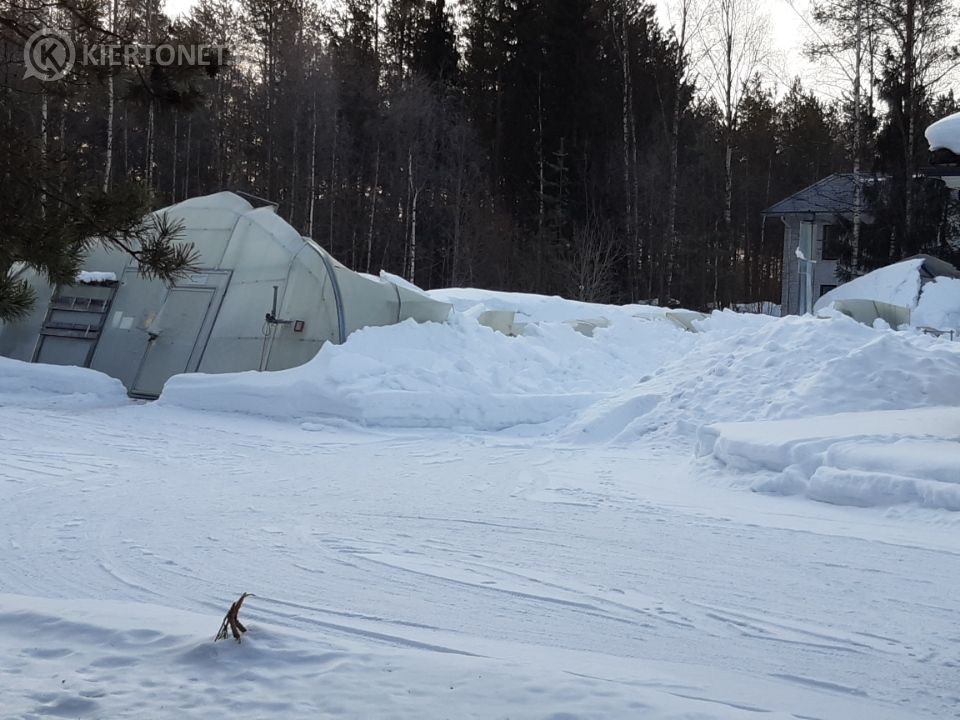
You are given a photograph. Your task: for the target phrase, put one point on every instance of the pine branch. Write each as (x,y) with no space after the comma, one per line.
(16,298)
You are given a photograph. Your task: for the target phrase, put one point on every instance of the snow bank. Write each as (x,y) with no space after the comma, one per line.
(944,134)
(38,385)
(454,375)
(631,378)
(109,659)
(897,284)
(862,459)
(757,368)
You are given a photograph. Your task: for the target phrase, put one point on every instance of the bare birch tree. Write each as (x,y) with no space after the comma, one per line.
(848,47)
(591,259)
(734,37)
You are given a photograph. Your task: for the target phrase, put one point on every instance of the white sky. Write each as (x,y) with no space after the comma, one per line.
(176,7)
(790,27)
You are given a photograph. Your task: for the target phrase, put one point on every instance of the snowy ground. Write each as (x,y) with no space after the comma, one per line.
(590,566)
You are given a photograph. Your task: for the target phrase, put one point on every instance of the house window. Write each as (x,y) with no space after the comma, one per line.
(824,289)
(832,243)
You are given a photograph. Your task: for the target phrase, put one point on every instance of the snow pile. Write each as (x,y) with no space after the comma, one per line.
(632,377)
(454,375)
(855,410)
(944,134)
(94,277)
(897,284)
(38,385)
(757,368)
(939,305)
(869,474)
(863,459)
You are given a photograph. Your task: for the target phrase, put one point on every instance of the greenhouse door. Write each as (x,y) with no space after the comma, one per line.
(179,334)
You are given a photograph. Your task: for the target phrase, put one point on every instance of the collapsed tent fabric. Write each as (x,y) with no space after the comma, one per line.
(214,320)
(897,284)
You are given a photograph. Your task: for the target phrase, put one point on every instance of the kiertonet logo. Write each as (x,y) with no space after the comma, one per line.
(50,55)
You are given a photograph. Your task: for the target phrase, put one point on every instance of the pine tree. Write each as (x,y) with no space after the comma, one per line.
(53,205)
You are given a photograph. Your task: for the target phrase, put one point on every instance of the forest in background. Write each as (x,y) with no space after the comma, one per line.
(576,147)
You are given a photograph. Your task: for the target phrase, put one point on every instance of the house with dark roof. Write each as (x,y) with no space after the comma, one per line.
(811,229)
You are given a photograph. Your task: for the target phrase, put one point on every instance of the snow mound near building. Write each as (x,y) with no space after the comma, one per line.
(454,375)
(38,385)
(897,284)
(747,368)
(935,304)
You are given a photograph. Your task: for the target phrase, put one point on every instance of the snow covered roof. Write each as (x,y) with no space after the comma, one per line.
(944,134)
(95,277)
(833,194)
(944,139)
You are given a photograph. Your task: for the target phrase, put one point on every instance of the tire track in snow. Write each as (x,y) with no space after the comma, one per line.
(199,510)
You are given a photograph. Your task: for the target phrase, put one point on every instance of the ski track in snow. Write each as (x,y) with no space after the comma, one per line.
(471,549)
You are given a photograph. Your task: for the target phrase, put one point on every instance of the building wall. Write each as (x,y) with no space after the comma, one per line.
(824,271)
